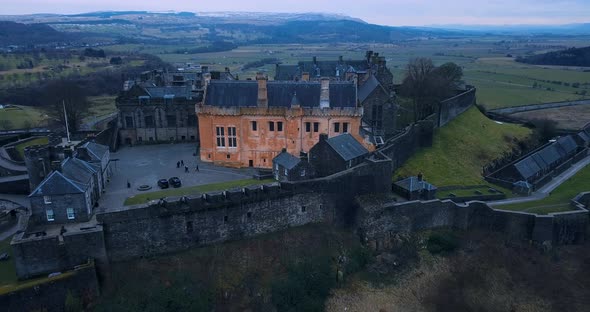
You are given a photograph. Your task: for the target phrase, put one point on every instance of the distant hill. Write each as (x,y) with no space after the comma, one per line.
(569,57)
(12,33)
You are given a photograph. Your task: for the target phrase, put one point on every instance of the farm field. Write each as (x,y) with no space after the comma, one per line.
(572,117)
(461,148)
(559,199)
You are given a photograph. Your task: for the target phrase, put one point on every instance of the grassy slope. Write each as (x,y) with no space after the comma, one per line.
(38,141)
(461,148)
(7,268)
(559,199)
(19,116)
(145,197)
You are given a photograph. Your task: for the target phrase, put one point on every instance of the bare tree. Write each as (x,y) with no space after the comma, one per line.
(427,85)
(63,93)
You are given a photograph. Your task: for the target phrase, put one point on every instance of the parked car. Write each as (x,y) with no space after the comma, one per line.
(175,182)
(163,183)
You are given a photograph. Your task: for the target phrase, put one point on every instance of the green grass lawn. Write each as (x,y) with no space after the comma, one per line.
(559,199)
(7,268)
(38,141)
(21,117)
(145,197)
(461,148)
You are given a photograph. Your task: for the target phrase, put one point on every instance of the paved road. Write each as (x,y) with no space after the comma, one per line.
(548,188)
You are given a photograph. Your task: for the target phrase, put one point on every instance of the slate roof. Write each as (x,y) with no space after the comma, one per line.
(347,146)
(546,157)
(177,91)
(279,93)
(77,170)
(412,184)
(286,160)
(57,184)
(368,87)
(584,136)
(320,69)
(95,150)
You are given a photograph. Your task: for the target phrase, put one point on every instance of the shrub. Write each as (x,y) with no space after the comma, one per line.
(442,242)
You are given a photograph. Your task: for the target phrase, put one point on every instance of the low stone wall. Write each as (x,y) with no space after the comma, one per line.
(532,107)
(449,109)
(380,222)
(81,284)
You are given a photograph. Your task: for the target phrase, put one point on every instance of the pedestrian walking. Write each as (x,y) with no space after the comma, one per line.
(185,168)
(181,162)
(197,168)
(178,164)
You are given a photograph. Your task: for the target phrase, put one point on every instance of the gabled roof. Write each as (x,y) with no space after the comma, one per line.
(176,91)
(413,184)
(95,150)
(584,136)
(567,143)
(368,87)
(279,93)
(57,184)
(286,160)
(77,170)
(347,146)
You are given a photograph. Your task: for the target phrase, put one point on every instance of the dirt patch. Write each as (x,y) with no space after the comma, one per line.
(571,117)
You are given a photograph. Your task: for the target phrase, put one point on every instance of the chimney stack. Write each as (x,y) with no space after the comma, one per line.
(262,92)
(305,76)
(206,80)
(369,55)
(341,59)
(323,137)
(315,60)
(325,93)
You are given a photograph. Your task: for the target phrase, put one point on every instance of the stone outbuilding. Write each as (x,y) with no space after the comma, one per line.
(415,188)
(332,155)
(287,167)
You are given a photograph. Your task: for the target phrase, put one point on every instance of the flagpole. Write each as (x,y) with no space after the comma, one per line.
(66,119)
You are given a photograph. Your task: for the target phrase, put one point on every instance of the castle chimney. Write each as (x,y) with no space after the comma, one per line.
(369,55)
(206,80)
(325,93)
(323,137)
(305,76)
(262,92)
(341,59)
(315,60)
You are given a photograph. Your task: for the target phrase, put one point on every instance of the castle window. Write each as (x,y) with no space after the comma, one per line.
(254,125)
(171,120)
(316,127)
(280,126)
(303,208)
(231,137)
(336,127)
(129,122)
(70,213)
(220,131)
(225,218)
(308,127)
(249,215)
(189,226)
(47,199)
(228,156)
(271,126)
(345,127)
(149,121)
(50,215)
(286,172)
(303,172)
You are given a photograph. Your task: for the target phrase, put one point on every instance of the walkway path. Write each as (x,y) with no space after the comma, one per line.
(548,188)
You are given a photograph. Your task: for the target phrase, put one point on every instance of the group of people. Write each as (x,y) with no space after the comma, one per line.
(180,164)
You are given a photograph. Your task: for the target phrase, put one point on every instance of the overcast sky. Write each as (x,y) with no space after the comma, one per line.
(385,12)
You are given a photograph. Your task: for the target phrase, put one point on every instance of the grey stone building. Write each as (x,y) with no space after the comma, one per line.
(336,154)
(287,167)
(415,188)
(374,83)
(59,199)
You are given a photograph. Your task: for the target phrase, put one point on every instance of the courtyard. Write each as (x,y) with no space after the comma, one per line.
(145,165)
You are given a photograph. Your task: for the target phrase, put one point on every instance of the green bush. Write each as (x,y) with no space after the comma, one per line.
(442,242)
(305,287)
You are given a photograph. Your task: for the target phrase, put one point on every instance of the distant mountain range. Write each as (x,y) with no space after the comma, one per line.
(236,28)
